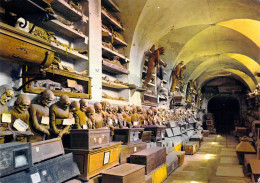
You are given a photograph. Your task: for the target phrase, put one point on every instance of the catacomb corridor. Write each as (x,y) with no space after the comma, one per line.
(129,91)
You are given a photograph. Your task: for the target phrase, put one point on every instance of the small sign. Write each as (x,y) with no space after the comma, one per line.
(85,127)
(136,123)
(36,177)
(44,172)
(6,118)
(100,140)
(106,157)
(70,121)
(37,149)
(45,120)
(110,122)
(135,149)
(20,125)
(116,121)
(72,83)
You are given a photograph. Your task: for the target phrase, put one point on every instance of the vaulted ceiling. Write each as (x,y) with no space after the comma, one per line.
(212,37)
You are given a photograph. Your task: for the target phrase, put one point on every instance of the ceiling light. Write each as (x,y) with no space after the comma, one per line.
(158,7)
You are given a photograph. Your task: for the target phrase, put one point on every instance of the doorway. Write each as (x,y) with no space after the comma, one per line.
(225,110)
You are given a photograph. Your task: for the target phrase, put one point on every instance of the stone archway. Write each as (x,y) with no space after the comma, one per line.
(226,110)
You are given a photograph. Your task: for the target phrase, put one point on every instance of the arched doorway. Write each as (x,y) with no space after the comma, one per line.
(225,110)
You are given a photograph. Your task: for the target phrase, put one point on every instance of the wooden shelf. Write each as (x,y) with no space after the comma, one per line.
(110,53)
(114,85)
(113,68)
(106,19)
(140,89)
(57,26)
(68,75)
(165,81)
(150,84)
(111,5)
(117,41)
(115,102)
(70,53)
(150,95)
(63,8)
(149,104)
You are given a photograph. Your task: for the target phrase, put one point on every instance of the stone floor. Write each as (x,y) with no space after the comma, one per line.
(215,162)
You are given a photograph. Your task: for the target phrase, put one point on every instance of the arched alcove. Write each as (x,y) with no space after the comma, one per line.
(226,110)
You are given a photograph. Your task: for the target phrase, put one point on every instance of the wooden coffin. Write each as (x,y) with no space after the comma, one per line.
(15,157)
(151,158)
(92,162)
(172,163)
(57,169)
(241,131)
(127,150)
(146,136)
(258,151)
(89,139)
(209,122)
(158,131)
(247,158)
(46,149)
(205,133)
(128,135)
(190,148)
(23,47)
(255,167)
(242,148)
(158,175)
(126,173)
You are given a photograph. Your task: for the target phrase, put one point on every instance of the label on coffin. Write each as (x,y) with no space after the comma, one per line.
(45,120)
(136,123)
(6,118)
(110,122)
(116,121)
(20,125)
(85,127)
(70,121)
(36,177)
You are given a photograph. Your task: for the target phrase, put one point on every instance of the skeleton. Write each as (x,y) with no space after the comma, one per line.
(20,111)
(6,93)
(37,113)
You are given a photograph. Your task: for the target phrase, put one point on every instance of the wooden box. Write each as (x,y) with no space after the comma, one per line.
(151,158)
(158,131)
(242,148)
(255,167)
(92,162)
(15,157)
(46,149)
(22,47)
(58,169)
(128,135)
(126,173)
(158,175)
(89,139)
(146,136)
(247,158)
(127,150)
(205,133)
(241,131)
(197,138)
(190,148)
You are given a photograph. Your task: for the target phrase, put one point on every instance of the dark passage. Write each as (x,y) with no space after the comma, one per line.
(225,110)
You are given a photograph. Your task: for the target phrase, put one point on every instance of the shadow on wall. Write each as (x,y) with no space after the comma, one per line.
(225,110)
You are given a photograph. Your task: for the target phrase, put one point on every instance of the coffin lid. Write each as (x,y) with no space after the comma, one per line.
(123,170)
(244,146)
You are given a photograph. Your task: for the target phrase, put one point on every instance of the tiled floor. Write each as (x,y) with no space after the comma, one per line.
(215,162)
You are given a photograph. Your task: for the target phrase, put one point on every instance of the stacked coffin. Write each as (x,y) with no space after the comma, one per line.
(154,160)
(177,138)
(158,131)
(93,151)
(43,162)
(131,139)
(167,142)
